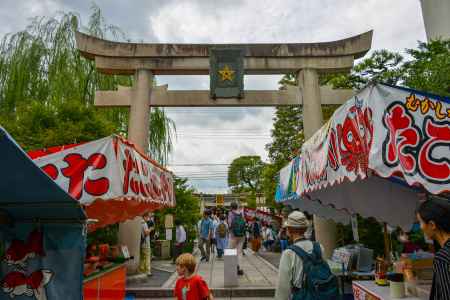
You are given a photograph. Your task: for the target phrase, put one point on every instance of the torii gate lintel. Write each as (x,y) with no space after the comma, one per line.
(144,61)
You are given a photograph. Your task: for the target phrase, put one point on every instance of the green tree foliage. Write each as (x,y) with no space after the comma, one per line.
(187,208)
(47,89)
(381,66)
(429,68)
(370,234)
(244,174)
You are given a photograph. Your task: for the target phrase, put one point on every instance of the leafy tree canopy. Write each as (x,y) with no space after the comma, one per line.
(47,89)
(429,68)
(187,208)
(244,174)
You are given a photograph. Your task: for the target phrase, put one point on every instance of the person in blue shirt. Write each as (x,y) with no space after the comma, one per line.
(205,235)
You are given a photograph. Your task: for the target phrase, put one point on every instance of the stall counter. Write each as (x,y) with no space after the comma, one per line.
(368,290)
(108,284)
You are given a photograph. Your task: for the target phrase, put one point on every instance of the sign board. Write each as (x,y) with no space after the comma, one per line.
(226,73)
(220,200)
(168,221)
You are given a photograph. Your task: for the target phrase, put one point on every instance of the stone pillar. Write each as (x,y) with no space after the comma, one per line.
(308,82)
(435,17)
(130,231)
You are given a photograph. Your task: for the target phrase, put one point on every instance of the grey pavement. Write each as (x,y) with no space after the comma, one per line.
(258,282)
(161,270)
(257,273)
(272,257)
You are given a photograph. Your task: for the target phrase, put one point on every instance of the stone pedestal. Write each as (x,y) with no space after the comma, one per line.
(230,261)
(130,231)
(308,81)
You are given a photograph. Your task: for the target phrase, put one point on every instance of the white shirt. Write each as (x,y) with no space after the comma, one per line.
(290,270)
(180,234)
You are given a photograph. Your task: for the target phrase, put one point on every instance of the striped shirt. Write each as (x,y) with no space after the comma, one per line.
(441,274)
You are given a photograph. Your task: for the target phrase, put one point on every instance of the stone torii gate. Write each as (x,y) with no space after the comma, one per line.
(307,60)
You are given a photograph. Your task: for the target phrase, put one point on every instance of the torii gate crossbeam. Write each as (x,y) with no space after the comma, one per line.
(308,60)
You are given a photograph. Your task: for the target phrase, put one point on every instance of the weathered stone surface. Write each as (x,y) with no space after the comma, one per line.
(355,46)
(161,97)
(193,59)
(200,65)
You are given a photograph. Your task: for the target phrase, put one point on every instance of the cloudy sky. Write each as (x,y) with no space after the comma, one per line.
(210,138)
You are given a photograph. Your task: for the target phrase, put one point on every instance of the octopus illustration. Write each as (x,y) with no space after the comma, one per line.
(355,138)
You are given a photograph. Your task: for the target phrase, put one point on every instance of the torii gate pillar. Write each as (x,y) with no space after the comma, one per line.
(138,129)
(308,82)
(194,59)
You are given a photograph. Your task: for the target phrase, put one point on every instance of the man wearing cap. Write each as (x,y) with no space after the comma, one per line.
(291,265)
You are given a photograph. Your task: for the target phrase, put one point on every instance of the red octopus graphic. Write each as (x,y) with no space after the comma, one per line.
(355,138)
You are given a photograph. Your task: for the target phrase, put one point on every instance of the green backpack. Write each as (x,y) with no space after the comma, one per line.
(238,225)
(319,283)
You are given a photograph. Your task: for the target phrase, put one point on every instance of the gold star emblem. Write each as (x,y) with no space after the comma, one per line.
(226,73)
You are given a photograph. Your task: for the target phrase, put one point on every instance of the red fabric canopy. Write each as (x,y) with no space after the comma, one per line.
(111,179)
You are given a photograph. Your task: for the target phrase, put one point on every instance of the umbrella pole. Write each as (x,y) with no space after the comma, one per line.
(387,250)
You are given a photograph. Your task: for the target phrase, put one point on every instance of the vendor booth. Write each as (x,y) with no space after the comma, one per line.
(113,182)
(376,156)
(111,179)
(44,207)
(42,236)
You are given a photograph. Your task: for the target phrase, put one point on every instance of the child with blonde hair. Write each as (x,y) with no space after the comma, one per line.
(190,286)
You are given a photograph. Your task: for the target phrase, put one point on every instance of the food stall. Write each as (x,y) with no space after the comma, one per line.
(377,154)
(114,182)
(42,236)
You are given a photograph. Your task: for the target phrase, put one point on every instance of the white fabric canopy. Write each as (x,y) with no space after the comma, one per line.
(372,156)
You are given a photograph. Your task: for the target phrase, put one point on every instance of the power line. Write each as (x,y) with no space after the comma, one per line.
(199,164)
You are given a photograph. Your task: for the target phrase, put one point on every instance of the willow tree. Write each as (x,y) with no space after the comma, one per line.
(47,89)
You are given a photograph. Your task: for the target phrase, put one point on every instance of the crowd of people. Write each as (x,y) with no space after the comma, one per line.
(217,232)
(301,264)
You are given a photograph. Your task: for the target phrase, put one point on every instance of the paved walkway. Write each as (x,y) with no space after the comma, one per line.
(258,282)
(162,270)
(258,273)
(272,257)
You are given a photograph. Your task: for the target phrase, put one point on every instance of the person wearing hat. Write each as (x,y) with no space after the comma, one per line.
(291,265)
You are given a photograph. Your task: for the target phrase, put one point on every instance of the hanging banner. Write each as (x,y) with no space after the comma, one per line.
(111,178)
(387,130)
(374,153)
(289,182)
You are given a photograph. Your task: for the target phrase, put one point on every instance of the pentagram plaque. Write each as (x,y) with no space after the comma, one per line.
(226,73)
